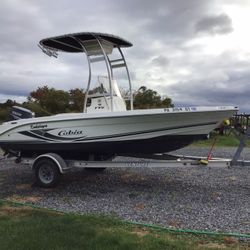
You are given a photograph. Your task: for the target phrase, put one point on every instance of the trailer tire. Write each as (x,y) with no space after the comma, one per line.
(47,173)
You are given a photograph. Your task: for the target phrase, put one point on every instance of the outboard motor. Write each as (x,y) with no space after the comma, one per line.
(17,113)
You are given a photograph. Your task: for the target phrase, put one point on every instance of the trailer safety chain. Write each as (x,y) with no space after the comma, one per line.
(225,124)
(209,156)
(166,229)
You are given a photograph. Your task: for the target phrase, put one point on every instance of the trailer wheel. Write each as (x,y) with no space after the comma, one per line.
(47,173)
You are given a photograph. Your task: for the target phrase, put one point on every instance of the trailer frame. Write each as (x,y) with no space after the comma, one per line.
(49,167)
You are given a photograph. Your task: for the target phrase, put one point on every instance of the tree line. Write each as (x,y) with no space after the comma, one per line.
(48,101)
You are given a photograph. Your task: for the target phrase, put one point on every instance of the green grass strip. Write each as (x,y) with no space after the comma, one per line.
(174,230)
(160,228)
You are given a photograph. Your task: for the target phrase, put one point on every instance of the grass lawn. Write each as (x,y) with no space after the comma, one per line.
(221,141)
(23,227)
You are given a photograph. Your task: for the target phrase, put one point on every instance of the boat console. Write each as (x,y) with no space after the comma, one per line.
(98,47)
(99,98)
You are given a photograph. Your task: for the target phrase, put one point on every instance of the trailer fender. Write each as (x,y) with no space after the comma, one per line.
(57,159)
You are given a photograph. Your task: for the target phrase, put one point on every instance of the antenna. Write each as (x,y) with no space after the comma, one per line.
(48,52)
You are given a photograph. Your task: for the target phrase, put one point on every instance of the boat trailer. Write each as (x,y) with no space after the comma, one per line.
(49,167)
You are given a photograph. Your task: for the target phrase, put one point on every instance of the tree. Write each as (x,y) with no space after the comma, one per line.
(5,109)
(47,101)
(76,99)
(38,95)
(167,103)
(36,108)
(52,100)
(3,115)
(8,104)
(147,98)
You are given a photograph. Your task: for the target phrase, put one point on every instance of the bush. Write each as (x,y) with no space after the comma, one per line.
(4,114)
(36,108)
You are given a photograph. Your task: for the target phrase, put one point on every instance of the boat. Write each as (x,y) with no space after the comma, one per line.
(106,127)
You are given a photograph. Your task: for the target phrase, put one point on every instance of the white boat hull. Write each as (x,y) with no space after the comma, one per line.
(143,131)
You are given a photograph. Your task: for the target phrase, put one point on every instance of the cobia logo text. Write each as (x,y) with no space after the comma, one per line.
(70,132)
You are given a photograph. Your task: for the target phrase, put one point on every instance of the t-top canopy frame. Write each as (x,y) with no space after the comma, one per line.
(69,43)
(97,47)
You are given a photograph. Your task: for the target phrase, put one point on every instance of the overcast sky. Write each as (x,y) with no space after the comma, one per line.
(196,52)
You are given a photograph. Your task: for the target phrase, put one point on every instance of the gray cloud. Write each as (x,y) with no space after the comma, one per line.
(160,61)
(217,24)
(232,90)
(172,20)
(159,30)
(217,80)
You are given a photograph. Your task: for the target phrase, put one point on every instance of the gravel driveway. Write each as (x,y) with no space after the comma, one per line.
(188,198)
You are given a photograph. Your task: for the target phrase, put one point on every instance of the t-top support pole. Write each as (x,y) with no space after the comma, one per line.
(129,81)
(89,79)
(108,70)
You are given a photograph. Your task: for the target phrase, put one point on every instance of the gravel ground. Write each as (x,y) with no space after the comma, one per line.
(187,198)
